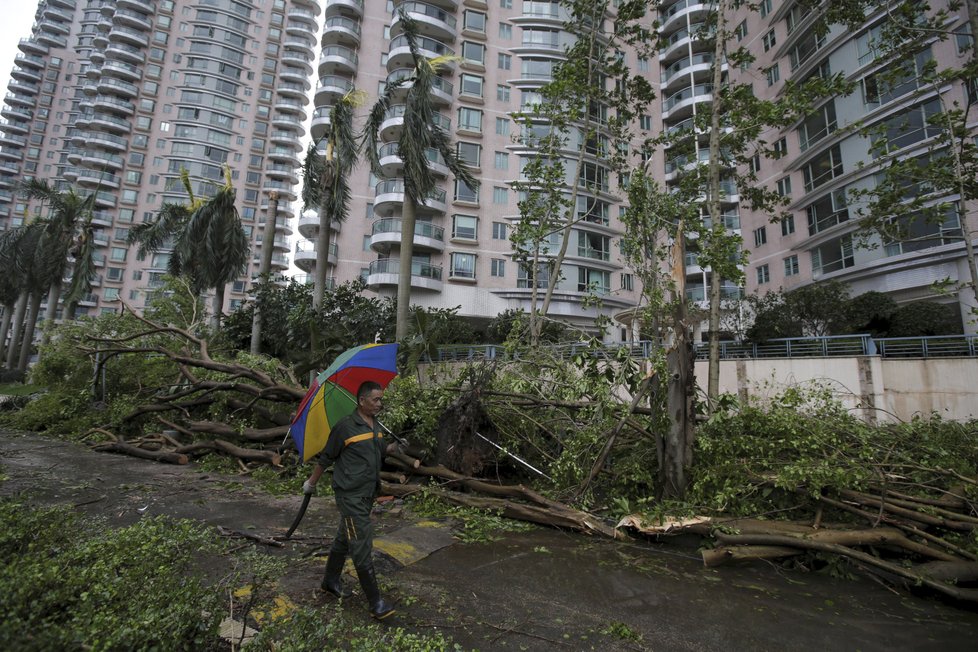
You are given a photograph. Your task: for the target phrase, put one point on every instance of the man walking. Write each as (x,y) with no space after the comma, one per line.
(356,448)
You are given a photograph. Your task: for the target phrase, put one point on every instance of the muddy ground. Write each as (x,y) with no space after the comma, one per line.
(539,590)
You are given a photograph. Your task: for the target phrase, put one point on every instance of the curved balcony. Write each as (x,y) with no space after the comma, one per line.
(675,16)
(389,198)
(283,155)
(129,18)
(441,89)
(105,159)
(291,89)
(309,225)
(281,172)
(289,105)
(16,112)
(30,46)
(14,127)
(698,65)
(545,14)
(125,52)
(20,86)
(430,20)
(96,57)
(331,88)
(341,30)
(9,140)
(299,59)
(294,75)
(122,70)
(128,36)
(12,153)
(305,255)
(337,58)
(681,42)
(25,101)
(424,276)
(386,233)
(391,163)
(291,123)
(52,40)
(29,75)
(679,106)
(399,55)
(112,104)
(30,61)
(549,45)
(344,7)
(302,15)
(285,138)
(305,44)
(124,89)
(393,123)
(286,191)
(53,12)
(113,123)
(321,120)
(93,178)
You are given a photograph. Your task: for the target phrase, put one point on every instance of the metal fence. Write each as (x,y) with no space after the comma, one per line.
(792,347)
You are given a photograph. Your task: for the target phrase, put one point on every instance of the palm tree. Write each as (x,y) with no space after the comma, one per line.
(264,268)
(67,241)
(325,184)
(209,244)
(20,262)
(419,134)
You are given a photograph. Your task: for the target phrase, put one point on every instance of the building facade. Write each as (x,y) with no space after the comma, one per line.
(116,97)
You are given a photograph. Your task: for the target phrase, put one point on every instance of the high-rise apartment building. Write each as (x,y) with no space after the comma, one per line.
(505,50)
(824,161)
(116,97)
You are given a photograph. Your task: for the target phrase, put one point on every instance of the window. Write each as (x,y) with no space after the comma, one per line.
(773,74)
(471,85)
(502,93)
(593,280)
(645,122)
(791,266)
(118,254)
(764,7)
(741,31)
(469,153)
(505,31)
(500,231)
(627,282)
(784,187)
(464,227)
(787,225)
(465,193)
(463,266)
(474,21)
(760,236)
(833,256)
(822,169)
(500,195)
(780,148)
(755,163)
(827,211)
(643,64)
(817,126)
(114,273)
(501,161)
(907,128)
(474,52)
(505,61)
(110,294)
(763,274)
(497,267)
(769,40)
(502,126)
(470,119)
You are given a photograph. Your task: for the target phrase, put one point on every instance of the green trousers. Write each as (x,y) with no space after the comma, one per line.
(355,534)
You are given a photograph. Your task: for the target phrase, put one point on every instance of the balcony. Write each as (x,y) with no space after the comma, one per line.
(441,89)
(399,55)
(344,7)
(424,276)
(17,99)
(16,112)
(391,163)
(133,19)
(110,122)
(389,199)
(108,141)
(122,70)
(693,38)
(698,65)
(393,123)
(300,59)
(20,86)
(302,15)
(331,88)
(282,173)
(29,75)
(321,120)
(305,255)
(125,52)
(341,30)
(30,61)
(14,126)
(52,40)
(386,234)
(31,46)
(128,36)
(430,20)
(9,140)
(337,58)
(679,106)
(112,104)
(124,89)
(290,105)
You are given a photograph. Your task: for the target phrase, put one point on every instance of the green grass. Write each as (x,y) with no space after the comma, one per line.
(17,389)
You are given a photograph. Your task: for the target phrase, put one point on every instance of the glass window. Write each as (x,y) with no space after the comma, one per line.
(498,267)
(791,266)
(465,193)
(469,153)
(463,265)
(501,161)
(500,195)
(470,119)
(475,52)
(505,31)
(505,61)
(763,274)
(474,21)
(471,85)
(760,236)
(464,227)
(500,231)
(502,126)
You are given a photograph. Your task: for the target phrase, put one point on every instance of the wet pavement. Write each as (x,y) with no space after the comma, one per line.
(538,590)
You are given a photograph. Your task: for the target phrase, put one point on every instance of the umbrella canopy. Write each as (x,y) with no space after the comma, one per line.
(332,395)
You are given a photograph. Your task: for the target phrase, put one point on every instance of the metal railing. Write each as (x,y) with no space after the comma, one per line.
(792,347)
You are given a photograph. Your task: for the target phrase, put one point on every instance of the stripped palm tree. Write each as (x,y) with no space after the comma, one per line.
(19,261)
(209,245)
(68,243)
(325,185)
(419,135)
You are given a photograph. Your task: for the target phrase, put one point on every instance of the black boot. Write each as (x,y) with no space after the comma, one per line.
(379,608)
(332,582)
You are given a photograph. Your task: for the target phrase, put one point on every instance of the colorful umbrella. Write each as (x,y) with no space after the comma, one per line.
(332,395)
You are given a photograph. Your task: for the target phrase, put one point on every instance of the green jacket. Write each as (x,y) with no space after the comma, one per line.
(356,450)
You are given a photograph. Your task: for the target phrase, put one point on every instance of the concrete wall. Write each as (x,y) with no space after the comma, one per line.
(881,389)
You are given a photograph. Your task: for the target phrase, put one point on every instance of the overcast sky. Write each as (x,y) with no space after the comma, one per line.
(16,18)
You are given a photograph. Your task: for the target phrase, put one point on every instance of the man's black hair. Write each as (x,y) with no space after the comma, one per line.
(366,387)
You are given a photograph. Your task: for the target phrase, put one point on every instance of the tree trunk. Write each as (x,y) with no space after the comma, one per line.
(265,268)
(325,232)
(404,270)
(54,295)
(218,307)
(713,205)
(34,307)
(8,313)
(18,328)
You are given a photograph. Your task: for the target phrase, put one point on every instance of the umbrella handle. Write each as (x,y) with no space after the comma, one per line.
(298,517)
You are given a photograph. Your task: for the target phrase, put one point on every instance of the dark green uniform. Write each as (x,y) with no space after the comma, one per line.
(356,450)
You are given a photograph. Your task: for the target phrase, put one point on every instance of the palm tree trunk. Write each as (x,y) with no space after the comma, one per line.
(34,307)
(322,256)
(54,295)
(218,307)
(8,313)
(404,270)
(264,270)
(18,327)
